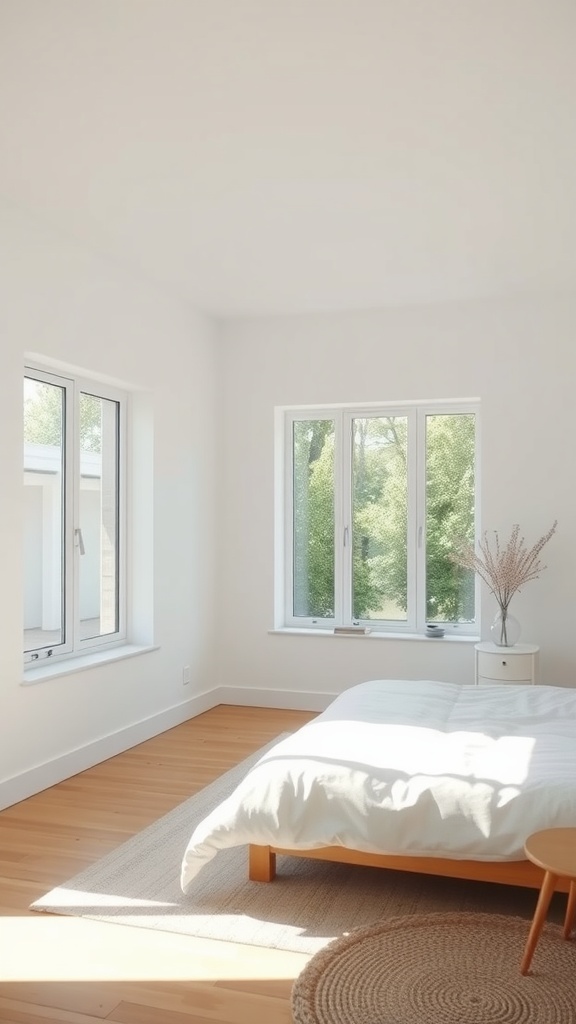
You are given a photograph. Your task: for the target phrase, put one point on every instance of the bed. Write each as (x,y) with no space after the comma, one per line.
(416,775)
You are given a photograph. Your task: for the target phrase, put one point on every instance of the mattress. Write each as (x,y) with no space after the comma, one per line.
(409,767)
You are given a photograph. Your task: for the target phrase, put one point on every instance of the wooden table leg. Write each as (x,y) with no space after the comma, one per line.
(570,911)
(548,886)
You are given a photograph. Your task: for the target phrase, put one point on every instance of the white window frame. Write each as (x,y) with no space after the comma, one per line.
(342,417)
(74,645)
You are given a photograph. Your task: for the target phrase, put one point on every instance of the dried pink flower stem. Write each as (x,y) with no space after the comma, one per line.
(504,569)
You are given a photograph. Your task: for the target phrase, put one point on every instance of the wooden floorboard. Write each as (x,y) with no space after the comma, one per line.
(60,970)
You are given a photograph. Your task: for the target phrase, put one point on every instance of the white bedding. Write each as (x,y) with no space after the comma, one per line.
(409,767)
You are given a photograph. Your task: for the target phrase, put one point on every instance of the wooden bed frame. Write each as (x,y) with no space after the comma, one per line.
(262,866)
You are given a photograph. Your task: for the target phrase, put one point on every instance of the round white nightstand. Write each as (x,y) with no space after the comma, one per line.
(517,664)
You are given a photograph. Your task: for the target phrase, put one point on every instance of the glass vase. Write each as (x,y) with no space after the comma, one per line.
(505,630)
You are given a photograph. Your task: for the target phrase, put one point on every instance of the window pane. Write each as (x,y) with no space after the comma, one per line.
(450,445)
(380,514)
(44,407)
(313,523)
(98,594)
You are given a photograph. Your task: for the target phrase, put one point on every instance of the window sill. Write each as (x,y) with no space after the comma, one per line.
(71,666)
(376,635)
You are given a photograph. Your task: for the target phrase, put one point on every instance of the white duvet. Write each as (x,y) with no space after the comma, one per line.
(412,767)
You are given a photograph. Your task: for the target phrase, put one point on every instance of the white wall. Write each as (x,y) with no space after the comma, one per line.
(204,414)
(518,356)
(67,304)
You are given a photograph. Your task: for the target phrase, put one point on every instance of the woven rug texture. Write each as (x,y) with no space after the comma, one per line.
(308,905)
(439,969)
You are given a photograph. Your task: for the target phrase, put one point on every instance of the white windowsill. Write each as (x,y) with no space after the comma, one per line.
(70,666)
(376,635)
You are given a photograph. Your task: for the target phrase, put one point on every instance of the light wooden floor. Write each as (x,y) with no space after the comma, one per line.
(59,970)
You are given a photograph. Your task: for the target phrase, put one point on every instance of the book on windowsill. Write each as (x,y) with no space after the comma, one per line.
(353,630)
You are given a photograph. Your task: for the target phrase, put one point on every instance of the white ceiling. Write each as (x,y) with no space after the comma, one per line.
(277,156)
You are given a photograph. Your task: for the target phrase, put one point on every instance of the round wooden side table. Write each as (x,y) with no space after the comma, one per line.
(553,850)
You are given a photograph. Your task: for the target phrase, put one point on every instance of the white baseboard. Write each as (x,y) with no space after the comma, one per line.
(291,700)
(20,787)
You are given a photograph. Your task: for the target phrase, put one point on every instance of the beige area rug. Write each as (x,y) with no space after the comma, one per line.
(439,969)
(309,904)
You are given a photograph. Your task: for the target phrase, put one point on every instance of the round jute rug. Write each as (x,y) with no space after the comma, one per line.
(439,969)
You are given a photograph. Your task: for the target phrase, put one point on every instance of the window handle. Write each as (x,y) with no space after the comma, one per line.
(79,540)
(345,536)
(420,534)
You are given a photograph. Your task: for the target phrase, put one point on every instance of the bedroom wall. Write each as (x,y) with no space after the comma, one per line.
(517,356)
(65,303)
(205,397)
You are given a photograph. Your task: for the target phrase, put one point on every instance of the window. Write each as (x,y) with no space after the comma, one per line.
(74,511)
(373,500)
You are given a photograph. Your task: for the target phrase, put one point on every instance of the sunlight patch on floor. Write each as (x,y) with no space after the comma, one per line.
(64,949)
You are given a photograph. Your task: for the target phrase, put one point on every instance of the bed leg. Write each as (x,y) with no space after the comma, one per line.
(262,864)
